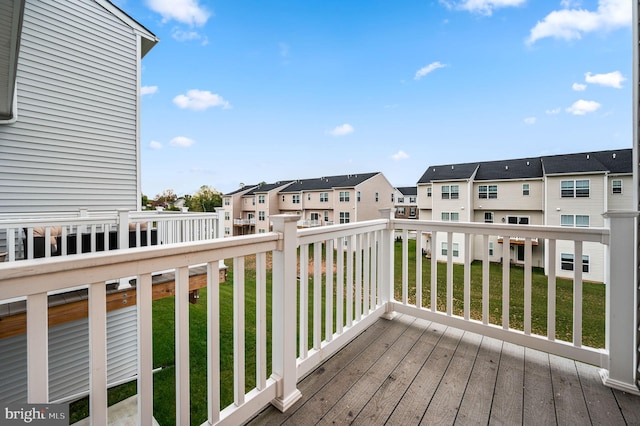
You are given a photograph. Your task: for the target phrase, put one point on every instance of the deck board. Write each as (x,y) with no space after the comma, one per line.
(409,372)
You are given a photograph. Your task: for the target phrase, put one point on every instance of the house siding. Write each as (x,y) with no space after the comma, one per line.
(75,141)
(368,208)
(69,358)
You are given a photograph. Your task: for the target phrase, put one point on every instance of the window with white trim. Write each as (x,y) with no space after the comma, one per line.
(429,191)
(262,231)
(579,220)
(488,217)
(450,216)
(488,191)
(574,188)
(227,201)
(309,196)
(324,197)
(412,212)
(401,199)
(261,199)
(567,262)
(616,186)
(260,215)
(227,215)
(344,196)
(295,198)
(227,230)
(344,217)
(445,191)
(518,220)
(490,248)
(454,253)
(400,211)
(358,196)
(326,215)
(412,200)
(377,197)
(526,189)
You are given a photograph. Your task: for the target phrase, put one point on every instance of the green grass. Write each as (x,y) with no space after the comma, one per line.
(164,339)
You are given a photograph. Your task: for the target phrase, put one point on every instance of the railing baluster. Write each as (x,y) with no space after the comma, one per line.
(213,341)
(145,349)
(182,345)
(349,280)
(30,242)
(98,353)
(38,348)
(261,320)
(405,266)
(418,269)
(11,244)
(340,285)
(449,273)
(47,241)
(365,273)
(506,265)
(577,294)
(485,279)
(373,291)
(358,282)
(329,292)
(467,276)
(238,330)
(551,290)
(434,272)
(304,301)
(528,261)
(317,295)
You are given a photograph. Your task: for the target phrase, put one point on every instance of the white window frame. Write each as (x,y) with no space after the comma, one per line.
(345,217)
(261,215)
(345,196)
(429,192)
(324,197)
(261,199)
(488,217)
(456,249)
(519,220)
(295,198)
(569,188)
(526,189)
(616,186)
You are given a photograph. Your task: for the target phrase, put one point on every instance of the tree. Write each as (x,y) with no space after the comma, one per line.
(166,199)
(206,199)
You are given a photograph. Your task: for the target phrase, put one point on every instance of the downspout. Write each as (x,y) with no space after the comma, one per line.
(138,132)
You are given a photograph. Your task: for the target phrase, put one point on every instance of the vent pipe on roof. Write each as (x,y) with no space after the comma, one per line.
(527,163)
(506,167)
(587,156)
(451,167)
(614,155)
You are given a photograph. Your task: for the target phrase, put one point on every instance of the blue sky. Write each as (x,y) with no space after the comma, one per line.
(248,91)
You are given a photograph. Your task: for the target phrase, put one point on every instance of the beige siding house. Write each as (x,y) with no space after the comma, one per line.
(563,190)
(318,201)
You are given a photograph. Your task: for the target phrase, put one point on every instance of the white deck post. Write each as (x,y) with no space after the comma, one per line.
(123,229)
(621,332)
(220,232)
(386,258)
(284,312)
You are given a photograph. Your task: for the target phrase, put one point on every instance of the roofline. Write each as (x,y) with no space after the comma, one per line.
(149,40)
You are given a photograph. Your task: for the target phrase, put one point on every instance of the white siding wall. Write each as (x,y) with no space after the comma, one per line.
(69,358)
(74,143)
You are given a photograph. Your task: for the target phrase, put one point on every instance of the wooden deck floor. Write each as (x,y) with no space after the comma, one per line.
(409,372)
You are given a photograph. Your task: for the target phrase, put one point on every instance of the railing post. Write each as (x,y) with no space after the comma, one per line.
(123,229)
(220,231)
(621,289)
(284,312)
(386,257)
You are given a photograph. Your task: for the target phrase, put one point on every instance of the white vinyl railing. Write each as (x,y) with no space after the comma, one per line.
(344,281)
(60,234)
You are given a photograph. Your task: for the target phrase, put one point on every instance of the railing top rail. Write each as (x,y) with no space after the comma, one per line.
(29,277)
(311,235)
(54,221)
(591,234)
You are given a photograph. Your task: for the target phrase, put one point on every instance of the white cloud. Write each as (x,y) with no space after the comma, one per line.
(553,111)
(180,35)
(578,87)
(570,24)
(148,90)
(483,7)
(181,141)
(185,11)
(583,107)
(400,155)
(428,69)
(612,79)
(199,100)
(530,120)
(155,145)
(342,130)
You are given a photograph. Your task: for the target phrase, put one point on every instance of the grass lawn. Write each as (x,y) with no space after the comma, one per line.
(164,339)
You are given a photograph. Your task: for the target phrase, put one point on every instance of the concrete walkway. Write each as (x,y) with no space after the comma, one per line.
(124,413)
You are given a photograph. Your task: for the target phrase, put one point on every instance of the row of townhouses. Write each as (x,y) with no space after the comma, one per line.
(572,190)
(318,201)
